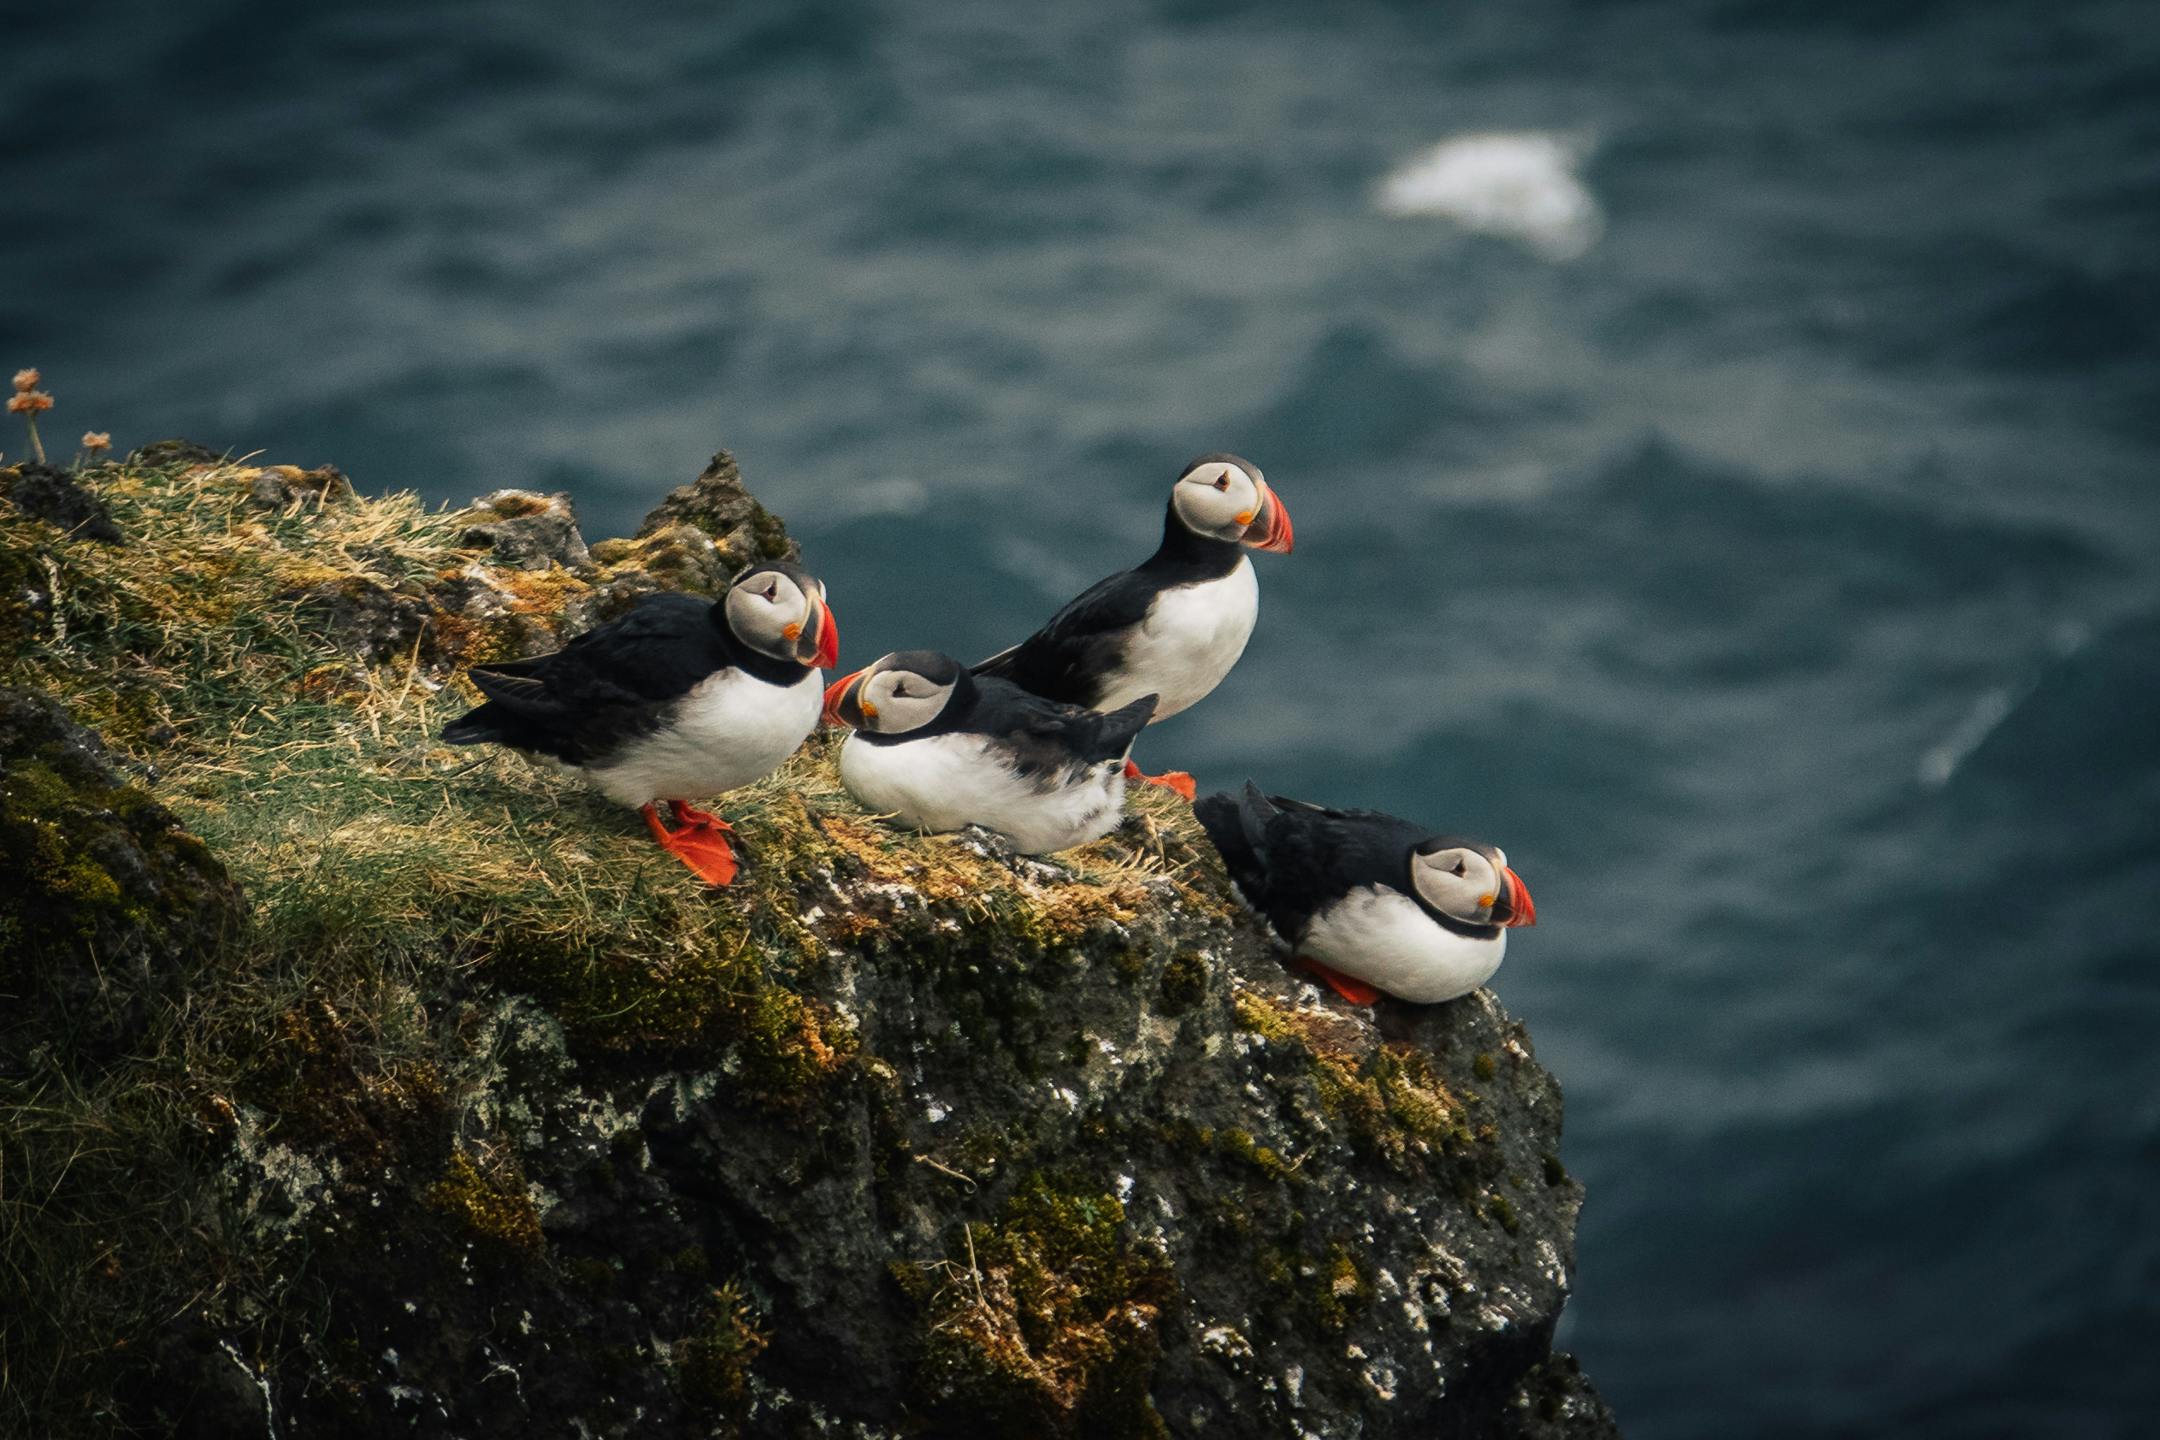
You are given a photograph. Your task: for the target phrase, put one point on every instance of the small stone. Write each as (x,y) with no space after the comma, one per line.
(526,530)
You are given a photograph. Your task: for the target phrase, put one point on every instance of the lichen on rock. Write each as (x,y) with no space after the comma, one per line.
(479,1115)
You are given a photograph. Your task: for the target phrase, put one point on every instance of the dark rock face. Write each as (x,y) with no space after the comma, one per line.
(105,894)
(1138,1181)
(58,498)
(1557,1402)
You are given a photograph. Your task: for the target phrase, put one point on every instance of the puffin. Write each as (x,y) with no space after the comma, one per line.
(678,699)
(1368,902)
(939,748)
(1173,625)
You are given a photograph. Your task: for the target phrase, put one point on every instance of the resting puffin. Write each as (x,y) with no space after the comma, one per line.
(1173,625)
(1367,902)
(680,698)
(939,748)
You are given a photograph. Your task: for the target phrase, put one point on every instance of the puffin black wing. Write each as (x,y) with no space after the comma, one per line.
(1068,658)
(1292,859)
(1112,735)
(1047,736)
(608,685)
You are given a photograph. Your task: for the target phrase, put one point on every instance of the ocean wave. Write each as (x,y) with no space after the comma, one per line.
(1521,185)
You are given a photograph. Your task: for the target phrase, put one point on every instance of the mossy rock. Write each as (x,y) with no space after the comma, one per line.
(720,505)
(60,499)
(110,905)
(1053,1326)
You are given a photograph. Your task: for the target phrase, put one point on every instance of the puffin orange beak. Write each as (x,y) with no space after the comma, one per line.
(819,648)
(828,645)
(1271,525)
(841,707)
(1521,909)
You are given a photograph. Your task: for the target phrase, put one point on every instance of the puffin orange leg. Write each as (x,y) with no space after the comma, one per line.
(688,814)
(1174,780)
(702,847)
(1357,992)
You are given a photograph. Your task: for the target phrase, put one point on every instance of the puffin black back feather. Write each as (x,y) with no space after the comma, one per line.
(1047,737)
(1071,657)
(1292,859)
(610,684)
(1044,735)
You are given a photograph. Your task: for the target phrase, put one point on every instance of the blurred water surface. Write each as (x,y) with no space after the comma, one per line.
(1729,483)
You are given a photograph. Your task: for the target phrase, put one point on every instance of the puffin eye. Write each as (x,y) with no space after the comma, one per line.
(1222,482)
(1458,868)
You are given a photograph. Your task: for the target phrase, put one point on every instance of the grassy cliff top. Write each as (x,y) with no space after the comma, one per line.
(288,971)
(277,654)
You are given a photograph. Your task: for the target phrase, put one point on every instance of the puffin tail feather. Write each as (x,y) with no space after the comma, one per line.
(1115,734)
(475,727)
(1255,809)
(512,689)
(1238,839)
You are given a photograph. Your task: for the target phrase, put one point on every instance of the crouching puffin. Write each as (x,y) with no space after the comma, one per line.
(679,699)
(939,748)
(1173,625)
(1367,902)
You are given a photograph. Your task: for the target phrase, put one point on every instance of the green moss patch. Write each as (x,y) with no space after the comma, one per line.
(713,1364)
(1048,1322)
(491,1206)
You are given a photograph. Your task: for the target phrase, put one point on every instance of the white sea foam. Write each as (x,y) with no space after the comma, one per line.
(1942,761)
(1522,185)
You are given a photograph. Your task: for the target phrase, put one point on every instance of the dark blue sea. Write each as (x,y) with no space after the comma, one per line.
(1724,443)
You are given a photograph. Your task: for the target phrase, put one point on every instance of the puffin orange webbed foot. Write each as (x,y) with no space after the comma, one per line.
(688,814)
(1357,992)
(1175,781)
(701,844)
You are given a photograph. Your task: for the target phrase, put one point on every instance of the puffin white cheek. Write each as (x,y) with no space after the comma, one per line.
(1245,496)
(1208,510)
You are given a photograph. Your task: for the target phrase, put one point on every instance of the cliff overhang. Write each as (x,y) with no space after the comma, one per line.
(351,1085)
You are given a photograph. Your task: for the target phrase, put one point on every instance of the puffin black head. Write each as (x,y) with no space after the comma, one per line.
(903,692)
(1224,497)
(779,609)
(1466,881)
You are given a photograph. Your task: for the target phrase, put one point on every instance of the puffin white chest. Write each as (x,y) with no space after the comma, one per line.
(945,782)
(1190,638)
(1380,936)
(730,729)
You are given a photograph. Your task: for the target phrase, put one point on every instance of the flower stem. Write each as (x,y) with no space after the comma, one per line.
(35,443)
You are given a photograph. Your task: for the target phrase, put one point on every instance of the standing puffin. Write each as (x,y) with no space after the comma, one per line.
(1367,902)
(681,698)
(940,748)
(1173,625)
